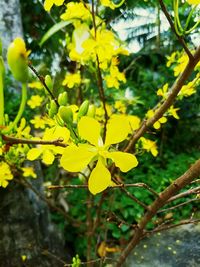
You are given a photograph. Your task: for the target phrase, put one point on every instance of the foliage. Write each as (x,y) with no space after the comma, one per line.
(81,117)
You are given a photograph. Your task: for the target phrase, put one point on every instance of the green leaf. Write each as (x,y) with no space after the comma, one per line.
(58,26)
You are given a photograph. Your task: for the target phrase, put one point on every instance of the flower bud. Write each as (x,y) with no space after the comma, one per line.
(62,99)
(17,60)
(91,111)
(49,82)
(66,114)
(83,109)
(53,109)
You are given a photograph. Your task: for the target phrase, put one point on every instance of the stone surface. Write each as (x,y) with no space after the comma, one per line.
(178,247)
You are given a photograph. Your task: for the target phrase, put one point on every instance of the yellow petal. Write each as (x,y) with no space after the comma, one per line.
(4,183)
(134,122)
(154,152)
(117,129)
(34,153)
(48,5)
(163,120)
(58,2)
(75,159)
(125,161)
(48,157)
(156,125)
(89,129)
(100,178)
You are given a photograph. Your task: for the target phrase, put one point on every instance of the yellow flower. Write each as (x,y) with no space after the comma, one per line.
(49,3)
(149,146)
(77,11)
(5,174)
(23,130)
(187,90)
(108,3)
(115,76)
(87,45)
(171,59)
(181,64)
(38,122)
(193,2)
(35,85)
(120,106)
(72,79)
(158,123)
(47,151)
(35,101)
(173,112)
(29,171)
(163,92)
(76,158)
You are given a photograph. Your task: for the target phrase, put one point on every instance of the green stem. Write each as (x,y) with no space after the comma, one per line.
(195,26)
(189,18)
(177,24)
(1,100)
(21,109)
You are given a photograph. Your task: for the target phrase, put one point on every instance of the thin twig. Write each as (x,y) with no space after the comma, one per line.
(183,194)
(42,80)
(164,228)
(99,76)
(179,205)
(13,140)
(138,185)
(180,39)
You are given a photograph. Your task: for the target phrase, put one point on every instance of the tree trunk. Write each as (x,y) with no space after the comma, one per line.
(10,22)
(27,237)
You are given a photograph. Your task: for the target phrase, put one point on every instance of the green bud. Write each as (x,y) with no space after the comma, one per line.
(53,109)
(83,109)
(17,57)
(62,99)
(49,82)
(91,111)
(66,114)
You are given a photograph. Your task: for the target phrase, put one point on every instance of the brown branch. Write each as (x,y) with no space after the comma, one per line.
(166,227)
(134,198)
(99,75)
(138,185)
(42,80)
(13,140)
(183,194)
(180,39)
(175,89)
(179,205)
(192,173)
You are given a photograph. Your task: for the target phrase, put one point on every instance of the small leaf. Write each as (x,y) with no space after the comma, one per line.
(58,26)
